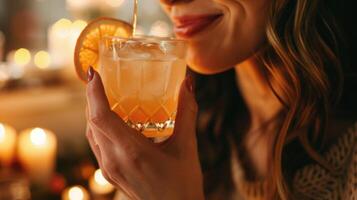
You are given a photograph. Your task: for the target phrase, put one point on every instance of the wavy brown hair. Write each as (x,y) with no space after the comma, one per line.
(301,62)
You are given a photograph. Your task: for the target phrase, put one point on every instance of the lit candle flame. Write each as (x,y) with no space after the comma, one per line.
(75,193)
(38,137)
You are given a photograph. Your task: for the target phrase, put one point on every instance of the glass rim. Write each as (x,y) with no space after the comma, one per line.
(148,38)
(109,43)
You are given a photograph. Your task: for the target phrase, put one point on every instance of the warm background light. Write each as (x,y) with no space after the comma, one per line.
(99,178)
(42,59)
(114,3)
(99,185)
(7,144)
(160,28)
(2,132)
(75,193)
(38,137)
(37,149)
(62,24)
(79,24)
(90,4)
(22,56)
(62,37)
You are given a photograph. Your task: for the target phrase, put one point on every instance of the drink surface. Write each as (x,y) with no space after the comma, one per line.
(142,84)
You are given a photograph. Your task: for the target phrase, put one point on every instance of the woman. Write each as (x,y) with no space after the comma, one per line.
(267,125)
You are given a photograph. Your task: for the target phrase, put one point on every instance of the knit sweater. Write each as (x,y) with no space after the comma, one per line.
(313,182)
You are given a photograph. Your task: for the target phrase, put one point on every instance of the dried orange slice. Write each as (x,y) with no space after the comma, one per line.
(87,47)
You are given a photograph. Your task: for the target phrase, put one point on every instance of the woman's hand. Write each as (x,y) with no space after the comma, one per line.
(134,164)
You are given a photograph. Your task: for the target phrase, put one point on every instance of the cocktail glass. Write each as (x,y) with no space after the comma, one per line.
(142,78)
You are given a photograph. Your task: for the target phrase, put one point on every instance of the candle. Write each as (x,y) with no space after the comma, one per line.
(7,144)
(37,153)
(62,37)
(99,185)
(58,42)
(75,193)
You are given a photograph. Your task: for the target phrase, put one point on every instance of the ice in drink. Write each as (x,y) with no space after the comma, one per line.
(142,79)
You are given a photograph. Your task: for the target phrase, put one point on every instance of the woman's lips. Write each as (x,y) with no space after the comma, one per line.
(187,26)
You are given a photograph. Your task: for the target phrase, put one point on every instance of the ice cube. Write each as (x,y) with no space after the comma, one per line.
(173,50)
(155,76)
(130,77)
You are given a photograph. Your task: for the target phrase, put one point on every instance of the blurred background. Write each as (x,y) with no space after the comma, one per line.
(41,96)
(42,102)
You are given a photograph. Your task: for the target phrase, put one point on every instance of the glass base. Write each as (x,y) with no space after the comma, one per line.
(154,130)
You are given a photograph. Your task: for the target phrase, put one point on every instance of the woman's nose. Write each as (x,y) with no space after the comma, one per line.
(171,2)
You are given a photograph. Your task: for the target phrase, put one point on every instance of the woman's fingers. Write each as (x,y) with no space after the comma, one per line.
(185,123)
(103,118)
(96,151)
(129,148)
(93,145)
(99,112)
(118,181)
(114,162)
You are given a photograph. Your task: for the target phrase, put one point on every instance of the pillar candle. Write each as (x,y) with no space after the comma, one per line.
(37,153)
(62,37)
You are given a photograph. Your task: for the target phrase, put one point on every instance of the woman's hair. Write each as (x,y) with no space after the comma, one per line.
(301,62)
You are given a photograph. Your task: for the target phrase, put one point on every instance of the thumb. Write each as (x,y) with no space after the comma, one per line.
(185,123)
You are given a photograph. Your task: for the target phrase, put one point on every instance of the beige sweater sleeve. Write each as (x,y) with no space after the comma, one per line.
(350,191)
(312,182)
(315,183)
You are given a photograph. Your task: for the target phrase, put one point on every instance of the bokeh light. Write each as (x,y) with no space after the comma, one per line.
(79,24)
(114,3)
(76,193)
(62,24)
(99,178)
(38,137)
(160,28)
(2,132)
(22,56)
(42,59)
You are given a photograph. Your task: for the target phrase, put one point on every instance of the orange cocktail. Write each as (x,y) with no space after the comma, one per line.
(142,78)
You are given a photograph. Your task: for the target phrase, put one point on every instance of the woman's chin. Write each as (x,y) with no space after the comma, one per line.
(208,61)
(208,66)
(207,69)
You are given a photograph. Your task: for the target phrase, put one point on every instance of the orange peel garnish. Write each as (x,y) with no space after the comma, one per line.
(86,52)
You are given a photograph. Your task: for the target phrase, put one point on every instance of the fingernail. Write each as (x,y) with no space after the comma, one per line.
(90,74)
(190,84)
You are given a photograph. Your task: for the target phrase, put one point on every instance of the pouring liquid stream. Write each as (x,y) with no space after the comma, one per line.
(135,17)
